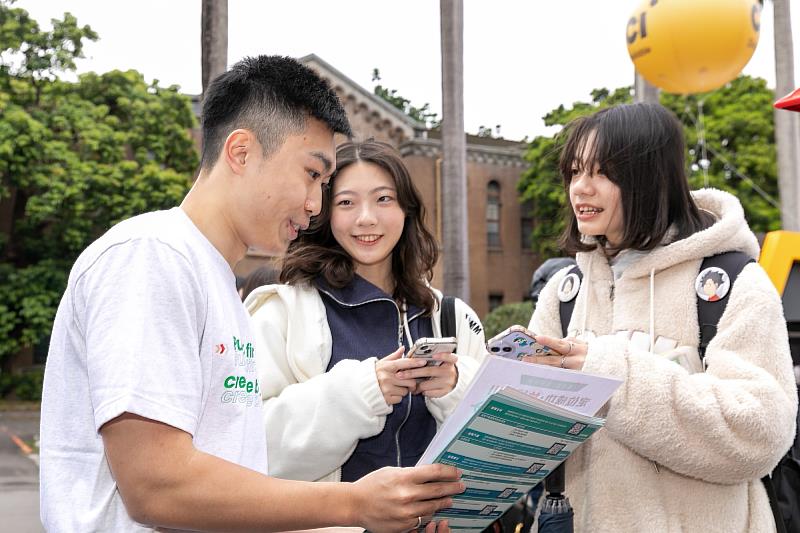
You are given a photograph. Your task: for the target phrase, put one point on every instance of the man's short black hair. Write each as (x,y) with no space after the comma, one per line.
(272,96)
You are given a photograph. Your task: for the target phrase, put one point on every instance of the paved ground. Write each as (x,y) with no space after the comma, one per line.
(19,475)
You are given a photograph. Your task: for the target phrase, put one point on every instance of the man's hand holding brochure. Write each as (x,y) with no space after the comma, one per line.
(516,422)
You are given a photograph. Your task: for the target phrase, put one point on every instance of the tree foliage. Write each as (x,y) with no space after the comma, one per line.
(75,158)
(422,114)
(506,315)
(739,141)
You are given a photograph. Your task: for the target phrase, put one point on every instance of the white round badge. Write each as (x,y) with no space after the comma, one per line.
(712,284)
(569,287)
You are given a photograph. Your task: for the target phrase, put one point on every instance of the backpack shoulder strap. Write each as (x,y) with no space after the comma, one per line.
(565,308)
(772,496)
(708,316)
(448,316)
(709,312)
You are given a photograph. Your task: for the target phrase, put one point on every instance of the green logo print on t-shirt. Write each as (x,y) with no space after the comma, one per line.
(242,388)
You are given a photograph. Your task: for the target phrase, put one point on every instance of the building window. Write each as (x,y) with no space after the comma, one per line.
(493,214)
(526,224)
(495,301)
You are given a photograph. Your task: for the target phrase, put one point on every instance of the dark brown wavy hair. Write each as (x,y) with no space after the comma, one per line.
(316,252)
(640,148)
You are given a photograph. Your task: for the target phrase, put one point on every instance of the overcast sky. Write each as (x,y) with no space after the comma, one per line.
(522,58)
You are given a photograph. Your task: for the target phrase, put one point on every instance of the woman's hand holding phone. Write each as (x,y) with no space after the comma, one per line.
(564,353)
(440,375)
(435,381)
(392,383)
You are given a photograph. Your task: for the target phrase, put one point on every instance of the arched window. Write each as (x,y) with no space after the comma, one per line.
(493,214)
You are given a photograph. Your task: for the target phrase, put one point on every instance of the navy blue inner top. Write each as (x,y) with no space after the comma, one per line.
(365,322)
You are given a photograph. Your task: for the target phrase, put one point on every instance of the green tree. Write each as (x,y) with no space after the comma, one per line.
(737,134)
(507,315)
(75,158)
(740,145)
(422,114)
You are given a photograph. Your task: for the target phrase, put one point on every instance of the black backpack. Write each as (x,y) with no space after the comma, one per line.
(783,485)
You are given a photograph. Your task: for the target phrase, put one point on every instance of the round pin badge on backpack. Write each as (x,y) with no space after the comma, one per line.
(712,284)
(569,287)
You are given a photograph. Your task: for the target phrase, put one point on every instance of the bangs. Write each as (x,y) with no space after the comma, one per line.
(584,149)
(640,149)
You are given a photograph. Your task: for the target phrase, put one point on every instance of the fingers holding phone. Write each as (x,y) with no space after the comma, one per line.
(517,342)
(436,380)
(567,353)
(392,385)
(440,375)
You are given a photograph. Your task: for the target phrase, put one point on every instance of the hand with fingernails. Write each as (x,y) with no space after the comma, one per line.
(434,381)
(391,379)
(432,527)
(564,353)
(403,499)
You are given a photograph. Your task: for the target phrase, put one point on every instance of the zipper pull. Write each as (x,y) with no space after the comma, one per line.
(399,331)
(611,294)
(400,314)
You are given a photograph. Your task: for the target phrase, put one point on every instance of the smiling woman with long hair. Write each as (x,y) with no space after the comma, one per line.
(686,441)
(340,398)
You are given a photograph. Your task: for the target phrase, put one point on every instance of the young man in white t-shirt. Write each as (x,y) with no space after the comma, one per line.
(151,411)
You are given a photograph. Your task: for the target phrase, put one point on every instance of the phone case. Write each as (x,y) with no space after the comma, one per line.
(515,343)
(424,348)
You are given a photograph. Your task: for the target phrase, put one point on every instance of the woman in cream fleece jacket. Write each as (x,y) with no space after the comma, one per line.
(684,447)
(335,405)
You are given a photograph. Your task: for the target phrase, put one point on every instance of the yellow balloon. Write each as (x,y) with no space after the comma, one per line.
(692,46)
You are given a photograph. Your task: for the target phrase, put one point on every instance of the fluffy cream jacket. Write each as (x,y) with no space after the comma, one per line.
(682,449)
(313,418)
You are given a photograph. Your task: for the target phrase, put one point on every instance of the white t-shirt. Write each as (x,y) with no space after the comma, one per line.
(150,324)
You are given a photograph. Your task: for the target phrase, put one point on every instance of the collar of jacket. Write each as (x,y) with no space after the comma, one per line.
(360,292)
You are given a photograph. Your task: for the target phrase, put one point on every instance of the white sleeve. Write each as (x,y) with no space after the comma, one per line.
(314,426)
(471,350)
(142,310)
(727,425)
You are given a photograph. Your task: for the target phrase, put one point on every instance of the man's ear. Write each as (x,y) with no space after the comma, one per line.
(238,150)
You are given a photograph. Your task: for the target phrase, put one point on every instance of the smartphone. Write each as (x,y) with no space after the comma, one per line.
(515,343)
(425,347)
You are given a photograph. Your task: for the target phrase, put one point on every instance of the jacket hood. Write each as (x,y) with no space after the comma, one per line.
(258,296)
(729,233)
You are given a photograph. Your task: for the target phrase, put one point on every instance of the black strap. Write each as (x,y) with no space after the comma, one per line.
(555,481)
(709,313)
(448,316)
(565,308)
(780,525)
